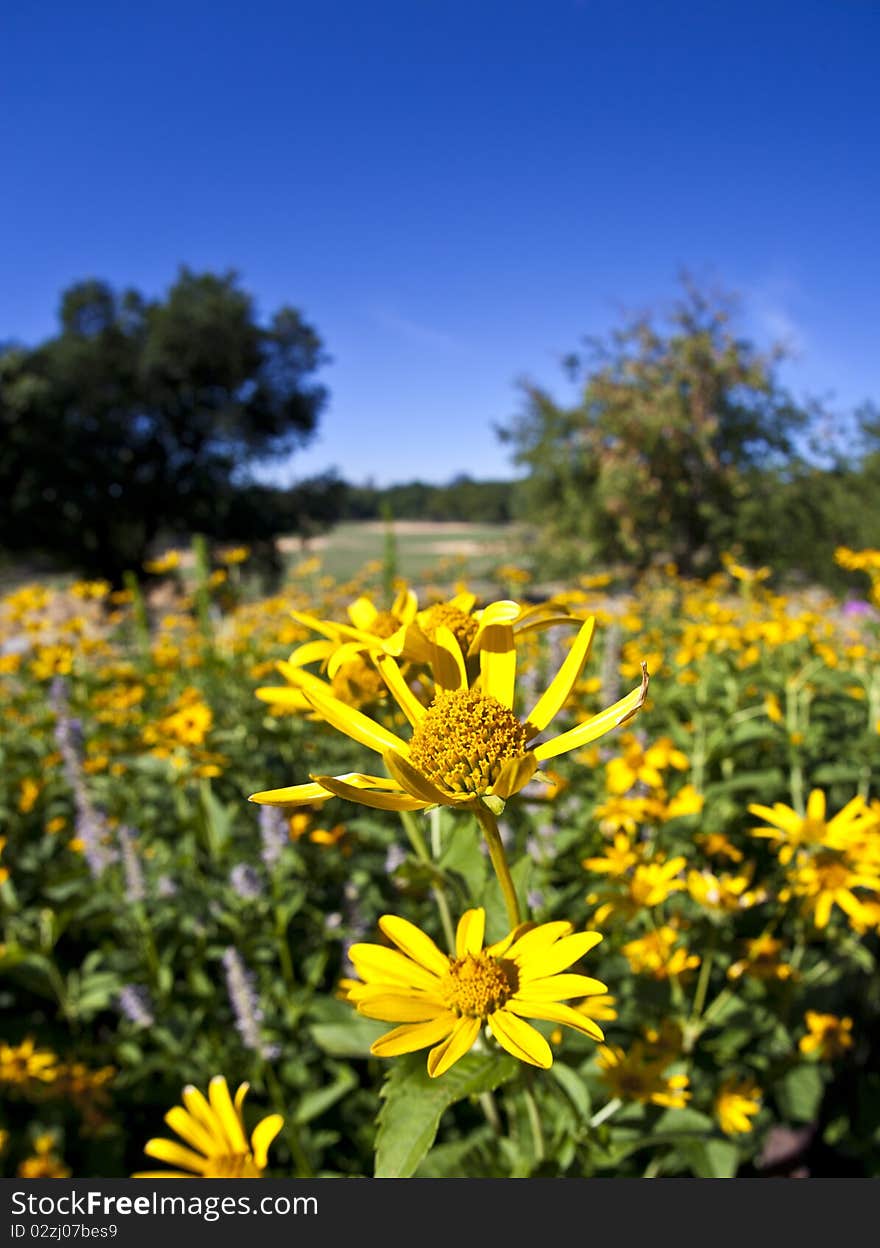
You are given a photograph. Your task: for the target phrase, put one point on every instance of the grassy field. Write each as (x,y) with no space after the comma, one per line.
(417,549)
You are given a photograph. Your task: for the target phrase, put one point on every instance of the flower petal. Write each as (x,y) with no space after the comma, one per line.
(543,962)
(413,1036)
(497,648)
(536,938)
(557,1012)
(176,1155)
(403,695)
(353,723)
(560,988)
(414,943)
(385,799)
(221,1103)
(377,965)
(262,1136)
(470,932)
(514,775)
(521,1039)
(447,661)
(391,1007)
(620,713)
(559,690)
(446,1054)
(414,782)
(191,1130)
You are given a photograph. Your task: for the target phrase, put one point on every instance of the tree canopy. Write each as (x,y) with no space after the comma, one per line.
(678,422)
(143,417)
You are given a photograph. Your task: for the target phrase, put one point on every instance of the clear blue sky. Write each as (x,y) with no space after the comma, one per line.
(452,192)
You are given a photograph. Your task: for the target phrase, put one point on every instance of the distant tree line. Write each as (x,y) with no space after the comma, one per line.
(143,421)
(462,499)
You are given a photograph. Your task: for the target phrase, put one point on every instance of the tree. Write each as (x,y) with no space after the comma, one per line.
(653,460)
(145,417)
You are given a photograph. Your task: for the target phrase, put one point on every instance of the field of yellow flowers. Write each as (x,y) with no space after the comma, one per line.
(437,882)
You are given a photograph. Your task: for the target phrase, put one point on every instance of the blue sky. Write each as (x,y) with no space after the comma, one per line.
(453,193)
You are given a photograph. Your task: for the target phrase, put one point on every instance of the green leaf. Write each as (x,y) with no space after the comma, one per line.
(713,1159)
(414,1103)
(684,1119)
(349,1039)
(799,1092)
(315,1103)
(574,1086)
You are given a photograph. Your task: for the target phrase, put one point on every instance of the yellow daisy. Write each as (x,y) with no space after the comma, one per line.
(444,1002)
(213,1128)
(736,1103)
(790,831)
(468,748)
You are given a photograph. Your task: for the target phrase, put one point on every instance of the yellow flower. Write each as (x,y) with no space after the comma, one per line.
(28,793)
(238,554)
(165,563)
(639,1076)
(20,1063)
(468,746)
(213,1128)
(825,880)
(716,845)
(656,954)
(619,857)
(789,831)
(650,884)
(827,1035)
(736,1104)
(444,1001)
(761,960)
(45,1163)
(723,894)
(639,765)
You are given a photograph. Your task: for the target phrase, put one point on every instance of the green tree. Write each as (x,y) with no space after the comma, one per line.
(672,422)
(146,417)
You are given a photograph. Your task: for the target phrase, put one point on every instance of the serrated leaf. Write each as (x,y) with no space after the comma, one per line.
(414,1103)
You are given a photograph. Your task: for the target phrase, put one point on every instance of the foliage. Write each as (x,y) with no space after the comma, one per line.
(141,417)
(678,426)
(158,930)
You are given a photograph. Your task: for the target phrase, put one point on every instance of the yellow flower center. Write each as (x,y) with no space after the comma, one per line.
(462,626)
(464,740)
(385,624)
(477,985)
(357,683)
(232,1166)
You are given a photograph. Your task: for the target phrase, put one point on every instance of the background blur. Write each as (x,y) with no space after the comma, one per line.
(264,271)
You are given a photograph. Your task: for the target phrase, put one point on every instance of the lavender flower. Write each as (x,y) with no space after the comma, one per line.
(91,825)
(245,881)
(135,889)
(245,1004)
(134,1002)
(273,835)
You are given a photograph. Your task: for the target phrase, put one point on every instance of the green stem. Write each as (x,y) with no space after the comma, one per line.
(534,1120)
(291,1134)
(489,824)
(702,985)
(606,1112)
